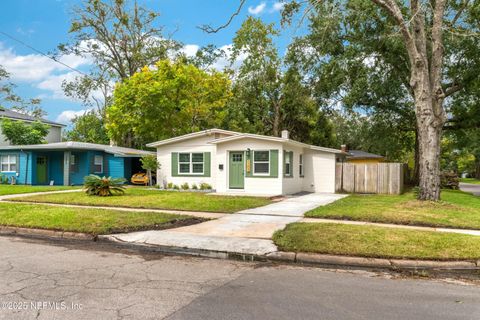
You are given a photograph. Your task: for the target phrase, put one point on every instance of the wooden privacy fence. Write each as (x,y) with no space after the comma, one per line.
(385,178)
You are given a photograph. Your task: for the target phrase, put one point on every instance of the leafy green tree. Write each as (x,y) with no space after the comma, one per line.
(171,99)
(422,51)
(120,38)
(88,127)
(151,164)
(269,95)
(20,133)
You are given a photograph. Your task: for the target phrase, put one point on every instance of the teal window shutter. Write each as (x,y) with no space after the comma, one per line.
(174,156)
(273,163)
(206,164)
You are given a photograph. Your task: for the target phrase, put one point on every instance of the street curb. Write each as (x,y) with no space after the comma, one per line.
(182,250)
(44,233)
(312,259)
(392,264)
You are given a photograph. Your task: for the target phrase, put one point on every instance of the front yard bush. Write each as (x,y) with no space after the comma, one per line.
(103,187)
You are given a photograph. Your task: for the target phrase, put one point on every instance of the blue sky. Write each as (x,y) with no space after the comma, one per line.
(43,24)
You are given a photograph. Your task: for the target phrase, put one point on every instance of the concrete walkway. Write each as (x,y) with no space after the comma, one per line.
(471,188)
(246,232)
(19,195)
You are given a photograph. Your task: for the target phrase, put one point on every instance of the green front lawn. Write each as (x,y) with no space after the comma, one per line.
(156,199)
(376,242)
(456,210)
(470,180)
(92,221)
(6,189)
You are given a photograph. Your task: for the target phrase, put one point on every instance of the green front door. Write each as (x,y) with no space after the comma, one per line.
(236,170)
(42,170)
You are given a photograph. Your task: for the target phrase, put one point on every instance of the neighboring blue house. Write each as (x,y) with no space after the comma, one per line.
(67,163)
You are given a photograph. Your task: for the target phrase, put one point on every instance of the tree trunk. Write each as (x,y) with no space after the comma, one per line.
(276,120)
(416,159)
(429,163)
(149,173)
(430,117)
(477,167)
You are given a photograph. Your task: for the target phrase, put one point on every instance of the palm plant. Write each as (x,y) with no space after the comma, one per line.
(103,187)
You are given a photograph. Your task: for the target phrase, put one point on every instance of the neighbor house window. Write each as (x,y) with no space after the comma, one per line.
(9,163)
(288,164)
(190,163)
(261,162)
(98,164)
(72,160)
(300,165)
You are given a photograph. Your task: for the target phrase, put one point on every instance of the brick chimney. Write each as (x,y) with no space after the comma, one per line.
(344,148)
(285,134)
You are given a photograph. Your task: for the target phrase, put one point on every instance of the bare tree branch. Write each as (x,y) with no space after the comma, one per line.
(209,29)
(459,12)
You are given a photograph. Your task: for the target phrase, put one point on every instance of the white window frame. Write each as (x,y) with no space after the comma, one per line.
(191,163)
(268,162)
(300,166)
(98,156)
(287,156)
(9,162)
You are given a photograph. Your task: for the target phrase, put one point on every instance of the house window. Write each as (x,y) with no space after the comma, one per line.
(288,164)
(190,163)
(9,163)
(261,162)
(98,164)
(72,160)
(300,166)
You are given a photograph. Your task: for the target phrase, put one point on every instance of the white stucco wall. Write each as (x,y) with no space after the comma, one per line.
(199,144)
(293,184)
(319,167)
(319,172)
(253,185)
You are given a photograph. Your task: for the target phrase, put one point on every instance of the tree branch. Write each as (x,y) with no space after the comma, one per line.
(209,29)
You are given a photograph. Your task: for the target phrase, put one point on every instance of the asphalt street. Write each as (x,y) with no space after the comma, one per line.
(50,280)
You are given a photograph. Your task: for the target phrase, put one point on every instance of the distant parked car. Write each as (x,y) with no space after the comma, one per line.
(141,178)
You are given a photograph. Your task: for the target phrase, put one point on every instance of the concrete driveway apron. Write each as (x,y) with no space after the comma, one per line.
(248,231)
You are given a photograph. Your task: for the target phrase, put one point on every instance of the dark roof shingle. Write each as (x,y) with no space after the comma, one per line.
(10,114)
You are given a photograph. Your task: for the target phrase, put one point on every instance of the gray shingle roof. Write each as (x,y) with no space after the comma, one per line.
(73,145)
(359,154)
(10,114)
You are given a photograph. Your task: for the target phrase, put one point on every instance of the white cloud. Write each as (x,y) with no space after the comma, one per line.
(224,61)
(190,49)
(67,115)
(277,6)
(35,67)
(53,83)
(257,9)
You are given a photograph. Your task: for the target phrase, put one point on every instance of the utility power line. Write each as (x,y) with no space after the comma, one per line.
(41,53)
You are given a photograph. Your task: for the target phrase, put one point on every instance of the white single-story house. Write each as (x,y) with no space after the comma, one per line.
(233,162)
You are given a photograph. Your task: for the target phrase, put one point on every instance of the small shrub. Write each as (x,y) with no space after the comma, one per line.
(176,187)
(170,185)
(205,186)
(449,180)
(3,179)
(103,187)
(194,186)
(185,186)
